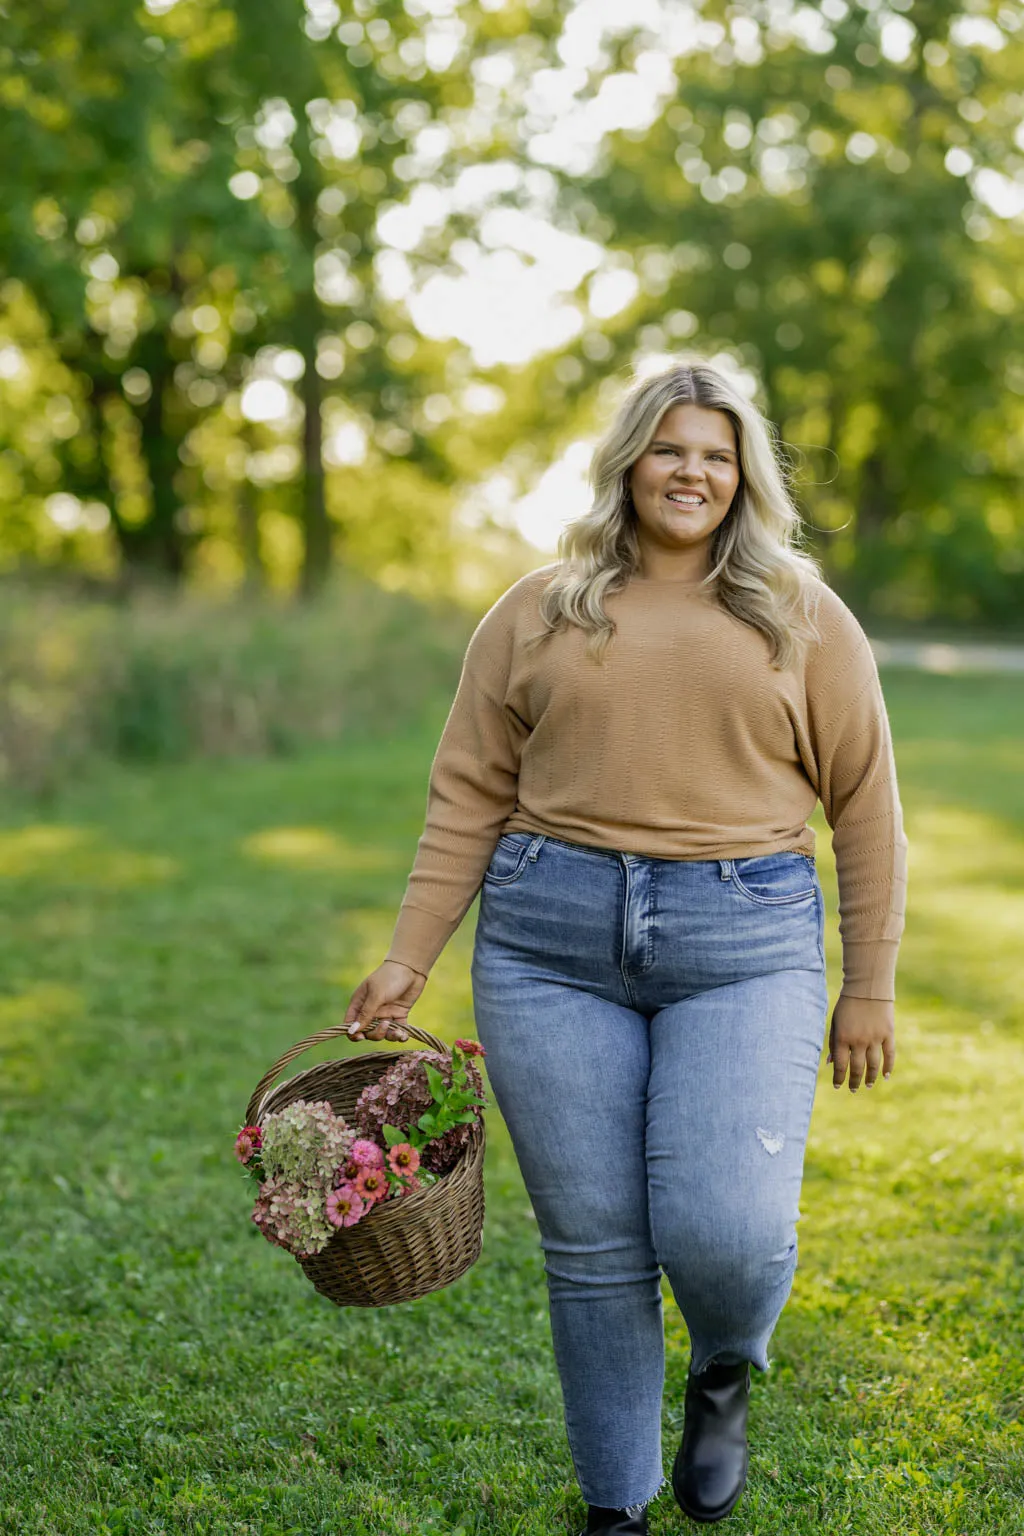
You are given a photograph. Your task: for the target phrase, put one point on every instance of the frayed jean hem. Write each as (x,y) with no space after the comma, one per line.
(633,1509)
(701,1359)
(638,1509)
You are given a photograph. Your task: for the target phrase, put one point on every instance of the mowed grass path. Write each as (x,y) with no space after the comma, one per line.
(167,934)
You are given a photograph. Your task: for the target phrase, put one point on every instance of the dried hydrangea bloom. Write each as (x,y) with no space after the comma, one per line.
(293,1215)
(403,1094)
(305,1142)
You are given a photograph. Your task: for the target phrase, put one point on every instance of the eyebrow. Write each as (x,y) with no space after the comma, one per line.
(663,442)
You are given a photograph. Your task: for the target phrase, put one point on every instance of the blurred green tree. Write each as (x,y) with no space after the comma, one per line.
(217,217)
(834,196)
(197,190)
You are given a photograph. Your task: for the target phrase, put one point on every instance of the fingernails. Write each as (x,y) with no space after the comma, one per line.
(887,1074)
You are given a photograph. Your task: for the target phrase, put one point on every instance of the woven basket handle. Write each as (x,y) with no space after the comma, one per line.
(321,1035)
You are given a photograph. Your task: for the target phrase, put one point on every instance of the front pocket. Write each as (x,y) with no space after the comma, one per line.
(774,879)
(509,858)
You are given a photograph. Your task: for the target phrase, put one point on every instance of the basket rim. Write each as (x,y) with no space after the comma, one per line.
(262,1092)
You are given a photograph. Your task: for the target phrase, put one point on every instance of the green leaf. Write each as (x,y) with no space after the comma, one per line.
(438,1086)
(392,1135)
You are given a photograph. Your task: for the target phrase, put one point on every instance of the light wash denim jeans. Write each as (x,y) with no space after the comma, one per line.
(653,1031)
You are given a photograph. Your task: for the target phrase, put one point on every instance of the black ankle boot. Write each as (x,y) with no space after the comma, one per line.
(711,1464)
(614,1522)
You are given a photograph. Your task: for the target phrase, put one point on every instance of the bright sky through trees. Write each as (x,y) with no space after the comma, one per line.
(297,272)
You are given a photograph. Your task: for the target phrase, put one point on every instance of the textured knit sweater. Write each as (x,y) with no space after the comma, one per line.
(681,743)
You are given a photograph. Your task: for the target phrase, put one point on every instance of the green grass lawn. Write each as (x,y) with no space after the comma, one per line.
(167,933)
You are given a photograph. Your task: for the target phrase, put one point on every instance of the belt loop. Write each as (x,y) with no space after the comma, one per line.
(725,868)
(536,846)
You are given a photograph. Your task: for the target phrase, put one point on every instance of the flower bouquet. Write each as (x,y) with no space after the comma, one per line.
(370,1171)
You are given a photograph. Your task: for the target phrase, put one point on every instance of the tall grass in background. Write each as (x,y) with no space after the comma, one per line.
(165,678)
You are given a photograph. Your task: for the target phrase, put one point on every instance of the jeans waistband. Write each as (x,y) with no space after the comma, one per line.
(538,839)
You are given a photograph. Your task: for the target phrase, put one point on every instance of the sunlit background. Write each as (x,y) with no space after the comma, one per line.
(357,290)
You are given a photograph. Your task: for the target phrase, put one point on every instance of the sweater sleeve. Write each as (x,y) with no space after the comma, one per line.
(471,792)
(852,748)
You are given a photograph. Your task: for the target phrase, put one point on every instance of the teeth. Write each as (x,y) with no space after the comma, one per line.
(686,501)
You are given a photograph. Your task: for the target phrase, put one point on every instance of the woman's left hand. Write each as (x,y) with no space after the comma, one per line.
(863,1039)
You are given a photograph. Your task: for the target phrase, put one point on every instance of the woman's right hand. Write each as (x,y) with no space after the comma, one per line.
(380,1005)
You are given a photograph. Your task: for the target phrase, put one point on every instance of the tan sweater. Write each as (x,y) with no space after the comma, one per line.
(683,743)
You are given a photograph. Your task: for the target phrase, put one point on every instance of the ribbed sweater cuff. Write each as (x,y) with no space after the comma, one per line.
(419,938)
(869,969)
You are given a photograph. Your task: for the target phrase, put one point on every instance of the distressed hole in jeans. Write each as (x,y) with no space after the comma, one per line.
(772,1141)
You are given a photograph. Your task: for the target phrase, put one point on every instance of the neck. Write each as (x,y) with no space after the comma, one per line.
(689,566)
(688,576)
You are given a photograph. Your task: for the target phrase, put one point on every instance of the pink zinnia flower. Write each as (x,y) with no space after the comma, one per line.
(366,1154)
(248,1141)
(411,1185)
(403,1158)
(372,1184)
(471,1047)
(345,1206)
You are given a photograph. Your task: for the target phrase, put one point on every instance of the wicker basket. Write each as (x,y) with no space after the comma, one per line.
(403,1248)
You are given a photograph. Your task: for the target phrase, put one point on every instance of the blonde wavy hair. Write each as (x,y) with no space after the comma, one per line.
(758,574)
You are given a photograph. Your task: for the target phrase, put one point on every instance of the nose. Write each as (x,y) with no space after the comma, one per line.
(689,469)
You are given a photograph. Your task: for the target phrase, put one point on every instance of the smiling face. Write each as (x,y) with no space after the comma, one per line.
(683,485)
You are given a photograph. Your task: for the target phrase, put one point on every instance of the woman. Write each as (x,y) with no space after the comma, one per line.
(640,732)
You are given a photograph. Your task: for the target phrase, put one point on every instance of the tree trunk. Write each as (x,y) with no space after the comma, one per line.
(873,503)
(249,538)
(156,548)
(316,564)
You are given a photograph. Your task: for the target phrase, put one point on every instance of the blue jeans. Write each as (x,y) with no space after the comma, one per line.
(653,1031)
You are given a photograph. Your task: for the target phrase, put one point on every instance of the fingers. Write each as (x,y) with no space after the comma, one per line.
(363,1021)
(858,1064)
(862,1041)
(361,1017)
(379,1006)
(378,1029)
(862,1062)
(374,1028)
(355,1007)
(873,1062)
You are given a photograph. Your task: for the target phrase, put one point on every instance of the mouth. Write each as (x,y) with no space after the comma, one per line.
(685,498)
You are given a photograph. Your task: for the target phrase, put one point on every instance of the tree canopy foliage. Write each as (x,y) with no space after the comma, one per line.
(216,214)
